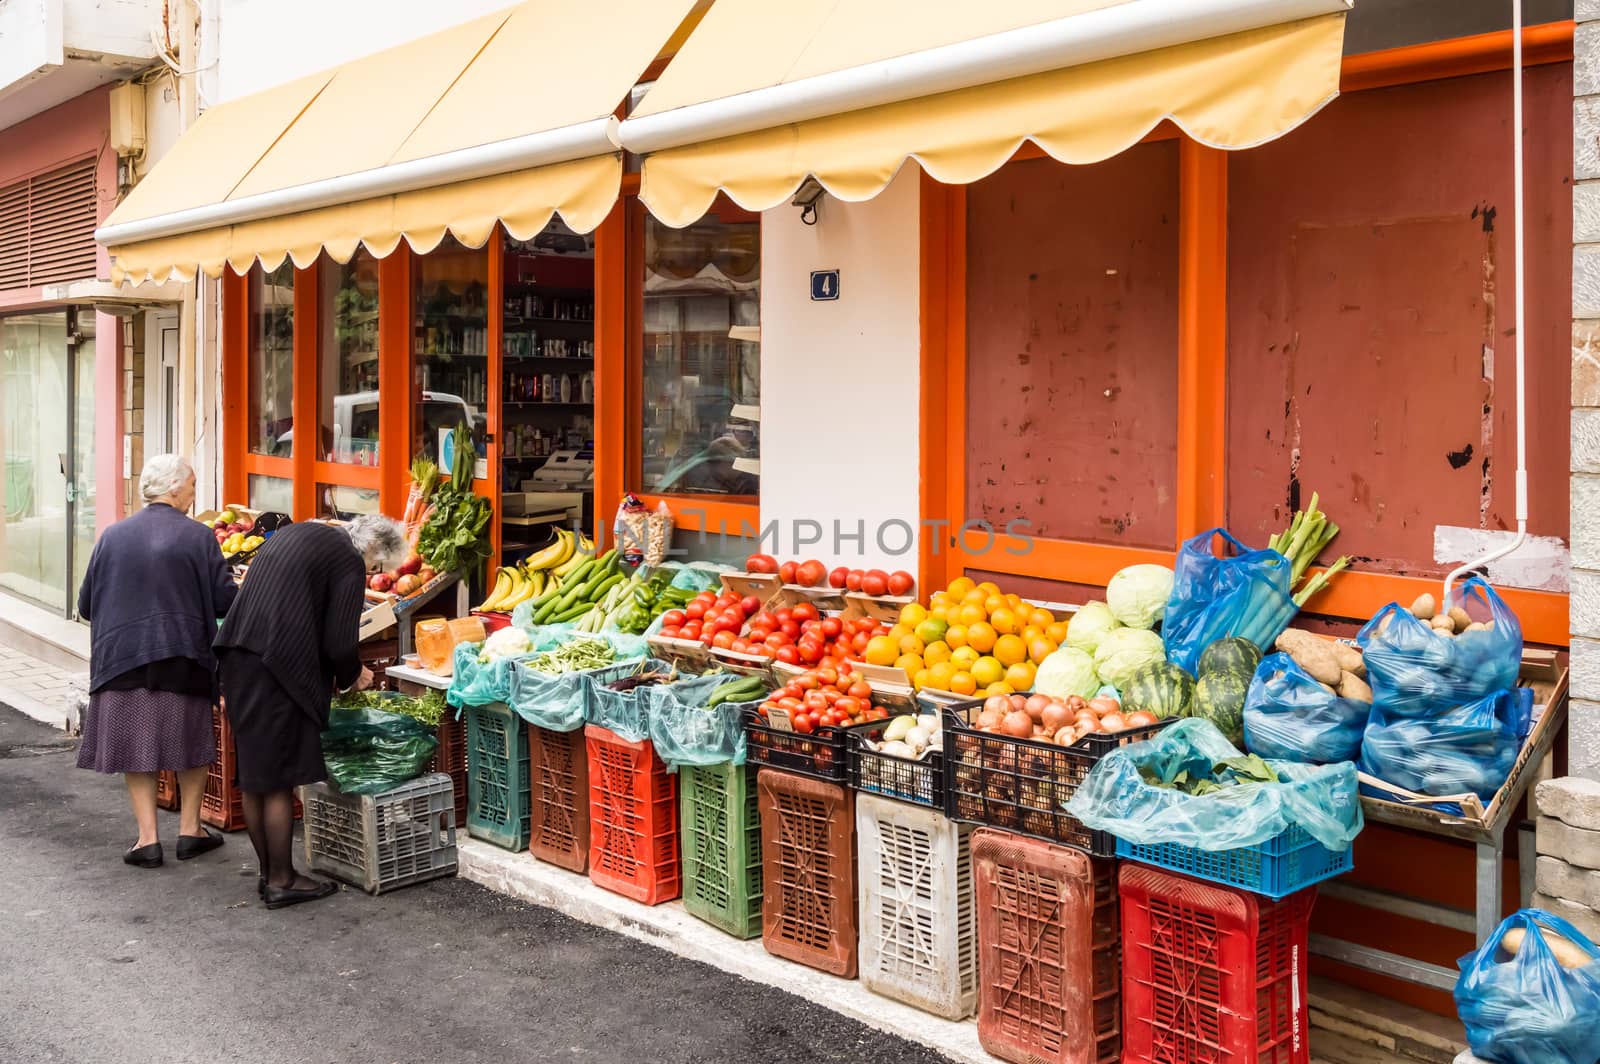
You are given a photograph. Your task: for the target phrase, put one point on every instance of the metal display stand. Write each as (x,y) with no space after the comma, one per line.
(1485,828)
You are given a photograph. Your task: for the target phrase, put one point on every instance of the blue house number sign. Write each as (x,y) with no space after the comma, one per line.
(824,285)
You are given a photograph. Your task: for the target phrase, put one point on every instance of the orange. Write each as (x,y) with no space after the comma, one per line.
(1016,603)
(963,657)
(1056,632)
(1039,649)
(975,597)
(938,599)
(962,683)
(1031,632)
(913,614)
(936,652)
(971,614)
(881,650)
(920,680)
(1020,676)
(960,586)
(931,630)
(987,671)
(1041,618)
(910,644)
(899,632)
(939,676)
(989,587)
(956,636)
(1003,619)
(911,664)
(981,637)
(999,687)
(938,613)
(1010,649)
(995,602)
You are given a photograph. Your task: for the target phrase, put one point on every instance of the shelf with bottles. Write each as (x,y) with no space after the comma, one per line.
(523,387)
(529,444)
(536,303)
(516,346)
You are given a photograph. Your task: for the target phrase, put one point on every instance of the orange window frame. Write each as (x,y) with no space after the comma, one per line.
(1202,363)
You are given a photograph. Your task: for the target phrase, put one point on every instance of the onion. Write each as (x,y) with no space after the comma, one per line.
(1035,704)
(1018,725)
(1036,711)
(1055,717)
(1066,736)
(1077,702)
(997,704)
(990,719)
(1104,704)
(1140,719)
(1018,701)
(1113,722)
(1085,716)
(1087,727)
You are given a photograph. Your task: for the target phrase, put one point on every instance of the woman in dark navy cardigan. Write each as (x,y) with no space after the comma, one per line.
(155,586)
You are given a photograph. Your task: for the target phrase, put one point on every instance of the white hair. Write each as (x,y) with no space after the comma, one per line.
(381,540)
(163,474)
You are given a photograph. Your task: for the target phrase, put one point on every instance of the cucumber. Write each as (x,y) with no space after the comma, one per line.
(606,586)
(745,690)
(572,613)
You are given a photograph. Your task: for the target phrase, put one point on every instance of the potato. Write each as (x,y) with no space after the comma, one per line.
(1569,955)
(1460,618)
(1354,687)
(1443,625)
(1349,658)
(1313,654)
(1423,608)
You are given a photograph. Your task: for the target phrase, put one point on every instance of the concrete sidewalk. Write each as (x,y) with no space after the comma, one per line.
(47,693)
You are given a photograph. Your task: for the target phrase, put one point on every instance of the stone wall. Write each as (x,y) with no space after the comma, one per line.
(1568,839)
(1584,729)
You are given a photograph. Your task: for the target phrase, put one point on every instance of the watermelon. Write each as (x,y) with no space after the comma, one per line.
(1219,697)
(1160,688)
(1230,655)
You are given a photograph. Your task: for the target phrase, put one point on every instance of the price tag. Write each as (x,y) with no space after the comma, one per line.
(778,717)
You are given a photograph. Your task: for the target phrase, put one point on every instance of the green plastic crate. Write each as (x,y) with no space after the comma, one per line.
(498,804)
(721,839)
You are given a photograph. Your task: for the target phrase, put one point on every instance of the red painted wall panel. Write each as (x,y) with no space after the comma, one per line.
(1072,296)
(1371,343)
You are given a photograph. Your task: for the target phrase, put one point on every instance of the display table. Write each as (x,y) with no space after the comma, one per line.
(416,679)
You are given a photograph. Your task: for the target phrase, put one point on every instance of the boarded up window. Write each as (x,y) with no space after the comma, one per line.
(47,227)
(1371,352)
(1072,295)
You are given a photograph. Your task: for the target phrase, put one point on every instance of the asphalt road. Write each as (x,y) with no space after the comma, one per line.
(104,963)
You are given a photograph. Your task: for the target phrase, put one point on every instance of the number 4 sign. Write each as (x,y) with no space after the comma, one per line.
(824,285)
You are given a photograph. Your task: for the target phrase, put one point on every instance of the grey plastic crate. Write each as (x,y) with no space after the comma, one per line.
(382,841)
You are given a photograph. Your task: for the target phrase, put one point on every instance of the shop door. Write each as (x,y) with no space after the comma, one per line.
(35,372)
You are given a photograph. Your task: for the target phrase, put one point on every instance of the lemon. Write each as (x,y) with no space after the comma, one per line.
(939,676)
(999,687)
(936,652)
(986,671)
(960,586)
(963,657)
(913,614)
(910,664)
(931,630)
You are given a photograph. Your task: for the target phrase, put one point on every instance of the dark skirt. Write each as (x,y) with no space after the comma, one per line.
(147,731)
(279,742)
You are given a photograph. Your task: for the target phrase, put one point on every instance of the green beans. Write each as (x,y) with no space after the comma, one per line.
(574,656)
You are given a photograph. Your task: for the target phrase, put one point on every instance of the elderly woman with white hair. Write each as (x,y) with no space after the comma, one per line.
(289,642)
(155,586)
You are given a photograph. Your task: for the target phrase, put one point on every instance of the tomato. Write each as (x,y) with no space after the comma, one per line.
(789,655)
(765,619)
(816,701)
(784,615)
(706,598)
(802,724)
(901,582)
(790,629)
(831,627)
(749,604)
(853,581)
(773,640)
(861,690)
(850,707)
(695,610)
(691,630)
(859,642)
(874,583)
(673,619)
(811,573)
(807,681)
(707,636)
(722,640)
(759,634)
(811,653)
(670,631)
(837,576)
(805,611)
(786,572)
(761,563)
(827,675)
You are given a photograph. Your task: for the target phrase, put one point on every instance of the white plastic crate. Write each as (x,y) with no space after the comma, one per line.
(919,932)
(382,841)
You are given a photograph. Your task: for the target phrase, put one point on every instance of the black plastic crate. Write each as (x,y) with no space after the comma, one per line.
(822,755)
(1021,785)
(913,782)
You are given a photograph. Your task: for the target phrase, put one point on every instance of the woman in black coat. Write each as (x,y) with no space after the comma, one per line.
(290,640)
(155,586)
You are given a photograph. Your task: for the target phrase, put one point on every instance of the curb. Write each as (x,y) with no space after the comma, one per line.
(58,718)
(671,928)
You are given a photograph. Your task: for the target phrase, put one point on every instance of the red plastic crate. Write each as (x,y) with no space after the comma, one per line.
(808,871)
(222,805)
(1048,975)
(166,789)
(633,819)
(1211,974)
(558,775)
(451,759)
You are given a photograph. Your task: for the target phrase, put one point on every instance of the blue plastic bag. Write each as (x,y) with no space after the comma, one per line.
(1245,593)
(626,714)
(684,732)
(1415,672)
(1469,749)
(1525,1007)
(1290,716)
(474,684)
(1114,797)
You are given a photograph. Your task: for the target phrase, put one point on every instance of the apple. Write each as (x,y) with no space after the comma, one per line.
(381,582)
(407,583)
(427,572)
(411,565)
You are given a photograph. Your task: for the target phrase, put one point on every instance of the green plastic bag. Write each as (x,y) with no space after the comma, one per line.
(369,751)
(685,732)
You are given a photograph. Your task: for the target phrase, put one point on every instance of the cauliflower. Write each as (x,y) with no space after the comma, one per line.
(506,643)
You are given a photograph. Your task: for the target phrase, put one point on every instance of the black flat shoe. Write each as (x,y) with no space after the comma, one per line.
(144,856)
(279,897)
(195,845)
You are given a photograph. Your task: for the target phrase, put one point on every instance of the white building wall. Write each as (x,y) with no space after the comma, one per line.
(839,380)
(1584,730)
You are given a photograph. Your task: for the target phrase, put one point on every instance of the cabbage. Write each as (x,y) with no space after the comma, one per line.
(1090,625)
(1067,671)
(1123,652)
(1138,594)
(506,643)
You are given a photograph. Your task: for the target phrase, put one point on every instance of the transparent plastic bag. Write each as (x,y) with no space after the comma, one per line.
(1526,1007)
(1290,716)
(626,713)
(1471,748)
(685,732)
(1414,672)
(369,751)
(474,684)
(1114,797)
(1245,593)
(561,701)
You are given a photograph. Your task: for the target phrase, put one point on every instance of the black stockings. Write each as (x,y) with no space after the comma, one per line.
(269,818)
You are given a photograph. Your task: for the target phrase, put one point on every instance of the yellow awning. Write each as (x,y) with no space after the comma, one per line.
(845,89)
(507,118)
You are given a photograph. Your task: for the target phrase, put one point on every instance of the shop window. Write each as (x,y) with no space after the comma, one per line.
(1071,336)
(701,358)
(347,361)
(272,360)
(342,501)
(1371,355)
(271,493)
(450,353)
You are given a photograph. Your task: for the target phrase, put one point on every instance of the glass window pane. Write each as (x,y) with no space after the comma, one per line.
(271,493)
(347,369)
(341,501)
(33,437)
(702,355)
(450,351)
(272,360)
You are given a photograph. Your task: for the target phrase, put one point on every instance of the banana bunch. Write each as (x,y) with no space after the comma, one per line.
(537,573)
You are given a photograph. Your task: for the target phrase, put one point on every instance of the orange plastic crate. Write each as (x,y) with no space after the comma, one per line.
(222,805)
(451,759)
(166,789)
(808,871)
(633,819)
(1049,979)
(558,775)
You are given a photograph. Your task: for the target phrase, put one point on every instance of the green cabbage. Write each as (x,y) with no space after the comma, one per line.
(1090,625)
(1138,594)
(1067,671)
(1123,652)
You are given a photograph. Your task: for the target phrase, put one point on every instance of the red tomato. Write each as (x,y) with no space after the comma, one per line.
(861,690)
(850,707)
(827,675)
(806,681)
(774,641)
(695,610)
(691,630)
(836,578)
(853,581)
(706,598)
(810,573)
(673,619)
(811,653)
(784,615)
(707,636)
(670,631)
(766,619)
(723,640)
(759,634)
(816,701)
(761,563)
(901,582)
(790,703)
(750,604)
(859,642)
(802,724)
(875,583)
(790,629)
(789,655)
(831,627)
(786,572)
(739,646)
(805,611)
